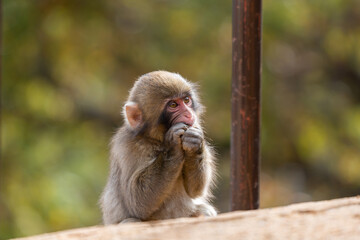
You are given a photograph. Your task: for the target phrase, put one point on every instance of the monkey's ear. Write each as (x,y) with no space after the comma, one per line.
(132,114)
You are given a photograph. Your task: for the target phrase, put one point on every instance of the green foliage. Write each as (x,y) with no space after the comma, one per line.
(68,66)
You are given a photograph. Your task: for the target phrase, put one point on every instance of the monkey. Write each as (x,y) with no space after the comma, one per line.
(161,166)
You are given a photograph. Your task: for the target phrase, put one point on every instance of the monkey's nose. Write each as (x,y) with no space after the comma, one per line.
(189,120)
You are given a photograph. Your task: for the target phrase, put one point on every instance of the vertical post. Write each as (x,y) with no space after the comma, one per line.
(245,127)
(1,56)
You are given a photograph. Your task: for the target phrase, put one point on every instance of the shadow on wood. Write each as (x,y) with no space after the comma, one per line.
(334,219)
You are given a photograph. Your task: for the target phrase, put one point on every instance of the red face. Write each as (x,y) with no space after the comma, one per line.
(180,111)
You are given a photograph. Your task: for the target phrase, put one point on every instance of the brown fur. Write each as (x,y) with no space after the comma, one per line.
(156,172)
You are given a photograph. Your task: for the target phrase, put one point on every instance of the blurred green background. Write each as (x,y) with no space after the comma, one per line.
(68,66)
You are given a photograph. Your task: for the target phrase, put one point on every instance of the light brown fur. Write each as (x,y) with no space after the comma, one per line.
(156,172)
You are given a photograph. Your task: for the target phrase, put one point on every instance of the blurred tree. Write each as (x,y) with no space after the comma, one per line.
(68,65)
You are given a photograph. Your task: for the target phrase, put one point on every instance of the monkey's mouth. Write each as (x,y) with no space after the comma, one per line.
(187,122)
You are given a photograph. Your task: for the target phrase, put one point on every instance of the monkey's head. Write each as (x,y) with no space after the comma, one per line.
(159,100)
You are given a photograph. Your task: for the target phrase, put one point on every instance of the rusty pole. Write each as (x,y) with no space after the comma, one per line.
(245,127)
(1,53)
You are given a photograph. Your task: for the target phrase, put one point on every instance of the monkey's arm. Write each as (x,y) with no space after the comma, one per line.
(197,166)
(149,187)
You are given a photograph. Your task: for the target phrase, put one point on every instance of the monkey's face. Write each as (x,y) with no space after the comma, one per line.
(159,100)
(179,110)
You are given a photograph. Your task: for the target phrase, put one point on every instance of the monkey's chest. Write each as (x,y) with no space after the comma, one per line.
(177,205)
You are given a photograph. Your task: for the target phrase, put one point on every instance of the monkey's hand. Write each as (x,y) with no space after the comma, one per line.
(196,166)
(173,136)
(192,141)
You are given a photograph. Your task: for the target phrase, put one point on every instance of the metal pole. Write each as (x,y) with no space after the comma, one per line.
(1,57)
(245,132)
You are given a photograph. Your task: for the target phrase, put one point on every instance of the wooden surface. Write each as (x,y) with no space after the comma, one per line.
(334,219)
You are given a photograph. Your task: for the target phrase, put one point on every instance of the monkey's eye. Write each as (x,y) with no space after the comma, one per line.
(173,104)
(186,100)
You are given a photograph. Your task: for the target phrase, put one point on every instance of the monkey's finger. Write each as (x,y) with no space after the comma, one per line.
(196,129)
(191,147)
(176,129)
(196,134)
(180,126)
(191,144)
(179,133)
(174,136)
(191,140)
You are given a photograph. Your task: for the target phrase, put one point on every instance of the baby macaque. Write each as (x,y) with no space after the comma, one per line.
(161,166)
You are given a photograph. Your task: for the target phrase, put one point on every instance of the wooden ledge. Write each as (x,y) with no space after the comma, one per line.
(333,219)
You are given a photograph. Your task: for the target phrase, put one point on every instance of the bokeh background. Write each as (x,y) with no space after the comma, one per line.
(68,66)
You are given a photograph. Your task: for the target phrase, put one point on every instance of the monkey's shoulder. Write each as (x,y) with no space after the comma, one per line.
(134,146)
